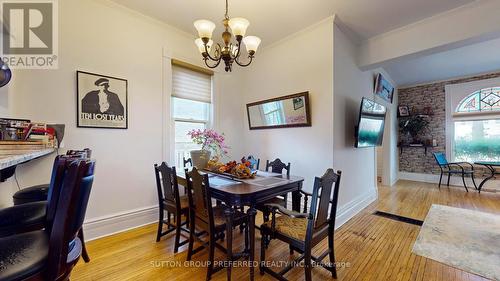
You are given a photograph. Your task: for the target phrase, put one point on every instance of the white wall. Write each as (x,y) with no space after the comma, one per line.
(390,150)
(105,38)
(357,164)
(137,48)
(289,67)
(452,29)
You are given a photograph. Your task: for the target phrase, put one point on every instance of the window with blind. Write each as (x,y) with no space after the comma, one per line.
(191,105)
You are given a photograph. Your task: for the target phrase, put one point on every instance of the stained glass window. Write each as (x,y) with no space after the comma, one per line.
(487,99)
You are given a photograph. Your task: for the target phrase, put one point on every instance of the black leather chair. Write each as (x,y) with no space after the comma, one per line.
(50,254)
(39,192)
(38,215)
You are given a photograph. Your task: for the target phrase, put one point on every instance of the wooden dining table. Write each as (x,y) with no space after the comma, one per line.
(250,192)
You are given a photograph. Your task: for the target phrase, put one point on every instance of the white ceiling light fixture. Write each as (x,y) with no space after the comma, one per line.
(231,52)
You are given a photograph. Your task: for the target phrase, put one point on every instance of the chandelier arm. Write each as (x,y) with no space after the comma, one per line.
(218,47)
(246,64)
(234,57)
(212,66)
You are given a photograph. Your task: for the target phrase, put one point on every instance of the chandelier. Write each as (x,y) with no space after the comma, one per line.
(230,52)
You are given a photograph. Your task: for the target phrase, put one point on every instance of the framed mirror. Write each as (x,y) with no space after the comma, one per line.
(282,112)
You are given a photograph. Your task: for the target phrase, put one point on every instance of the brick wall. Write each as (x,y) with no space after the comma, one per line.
(432,95)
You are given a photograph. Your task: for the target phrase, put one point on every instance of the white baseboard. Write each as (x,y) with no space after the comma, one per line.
(109,225)
(349,210)
(454,180)
(105,226)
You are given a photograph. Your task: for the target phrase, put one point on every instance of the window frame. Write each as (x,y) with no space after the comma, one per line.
(454,95)
(208,123)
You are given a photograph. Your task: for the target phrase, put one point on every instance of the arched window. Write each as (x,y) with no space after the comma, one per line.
(477,126)
(487,99)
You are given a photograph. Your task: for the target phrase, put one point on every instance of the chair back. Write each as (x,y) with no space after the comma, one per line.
(186,162)
(84,153)
(59,168)
(277,166)
(167,187)
(70,213)
(254,163)
(440,158)
(200,202)
(322,198)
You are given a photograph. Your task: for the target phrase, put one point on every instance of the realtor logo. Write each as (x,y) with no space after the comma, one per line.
(29,32)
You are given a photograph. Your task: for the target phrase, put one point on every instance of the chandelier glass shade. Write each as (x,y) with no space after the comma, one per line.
(228,52)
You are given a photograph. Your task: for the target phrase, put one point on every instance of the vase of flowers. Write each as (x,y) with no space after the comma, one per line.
(212,144)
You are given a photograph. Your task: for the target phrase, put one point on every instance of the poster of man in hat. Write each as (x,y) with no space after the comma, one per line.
(102,101)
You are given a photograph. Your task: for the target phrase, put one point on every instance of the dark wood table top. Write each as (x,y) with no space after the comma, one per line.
(249,190)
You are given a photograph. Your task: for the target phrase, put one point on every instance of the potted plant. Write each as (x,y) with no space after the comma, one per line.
(414,126)
(211,142)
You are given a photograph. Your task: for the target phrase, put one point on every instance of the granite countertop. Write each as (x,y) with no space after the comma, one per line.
(15,157)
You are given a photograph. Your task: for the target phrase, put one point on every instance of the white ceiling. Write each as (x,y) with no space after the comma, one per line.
(273,20)
(465,61)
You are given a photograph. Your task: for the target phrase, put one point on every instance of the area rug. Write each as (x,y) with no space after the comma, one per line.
(465,239)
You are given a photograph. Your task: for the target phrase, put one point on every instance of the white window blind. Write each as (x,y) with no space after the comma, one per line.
(191,85)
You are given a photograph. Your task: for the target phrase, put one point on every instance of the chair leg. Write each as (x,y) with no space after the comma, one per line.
(473,181)
(440,178)
(85,255)
(265,215)
(229,212)
(177,232)
(285,197)
(246,237)
(191,239)
(331,249)
(262,253)
(211,252)
(308,264)
(242,226)
(291,249)
(449,175)
(160,226)
(463,180)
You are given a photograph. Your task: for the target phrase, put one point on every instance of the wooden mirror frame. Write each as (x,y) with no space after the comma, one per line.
(308,122)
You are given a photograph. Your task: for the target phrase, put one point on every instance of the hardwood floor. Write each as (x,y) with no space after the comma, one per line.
(373,247)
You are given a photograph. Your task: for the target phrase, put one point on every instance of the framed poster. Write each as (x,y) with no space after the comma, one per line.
(101,101)
(383,88)
(403,111)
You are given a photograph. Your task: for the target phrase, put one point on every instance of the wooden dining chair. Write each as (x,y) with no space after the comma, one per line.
(172,203)
(212,220)
(186,162)
(303,231)
(276,166)
(50,254)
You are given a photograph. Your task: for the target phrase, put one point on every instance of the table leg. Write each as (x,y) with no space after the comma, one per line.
(229,212)
(492,170)
(251,225)
(296,195)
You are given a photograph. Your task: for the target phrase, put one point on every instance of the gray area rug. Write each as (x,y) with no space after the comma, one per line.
(465,239)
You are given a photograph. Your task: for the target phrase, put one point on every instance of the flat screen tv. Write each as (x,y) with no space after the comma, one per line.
(370,129)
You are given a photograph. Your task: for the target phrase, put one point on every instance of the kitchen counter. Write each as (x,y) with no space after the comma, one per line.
(9,159)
